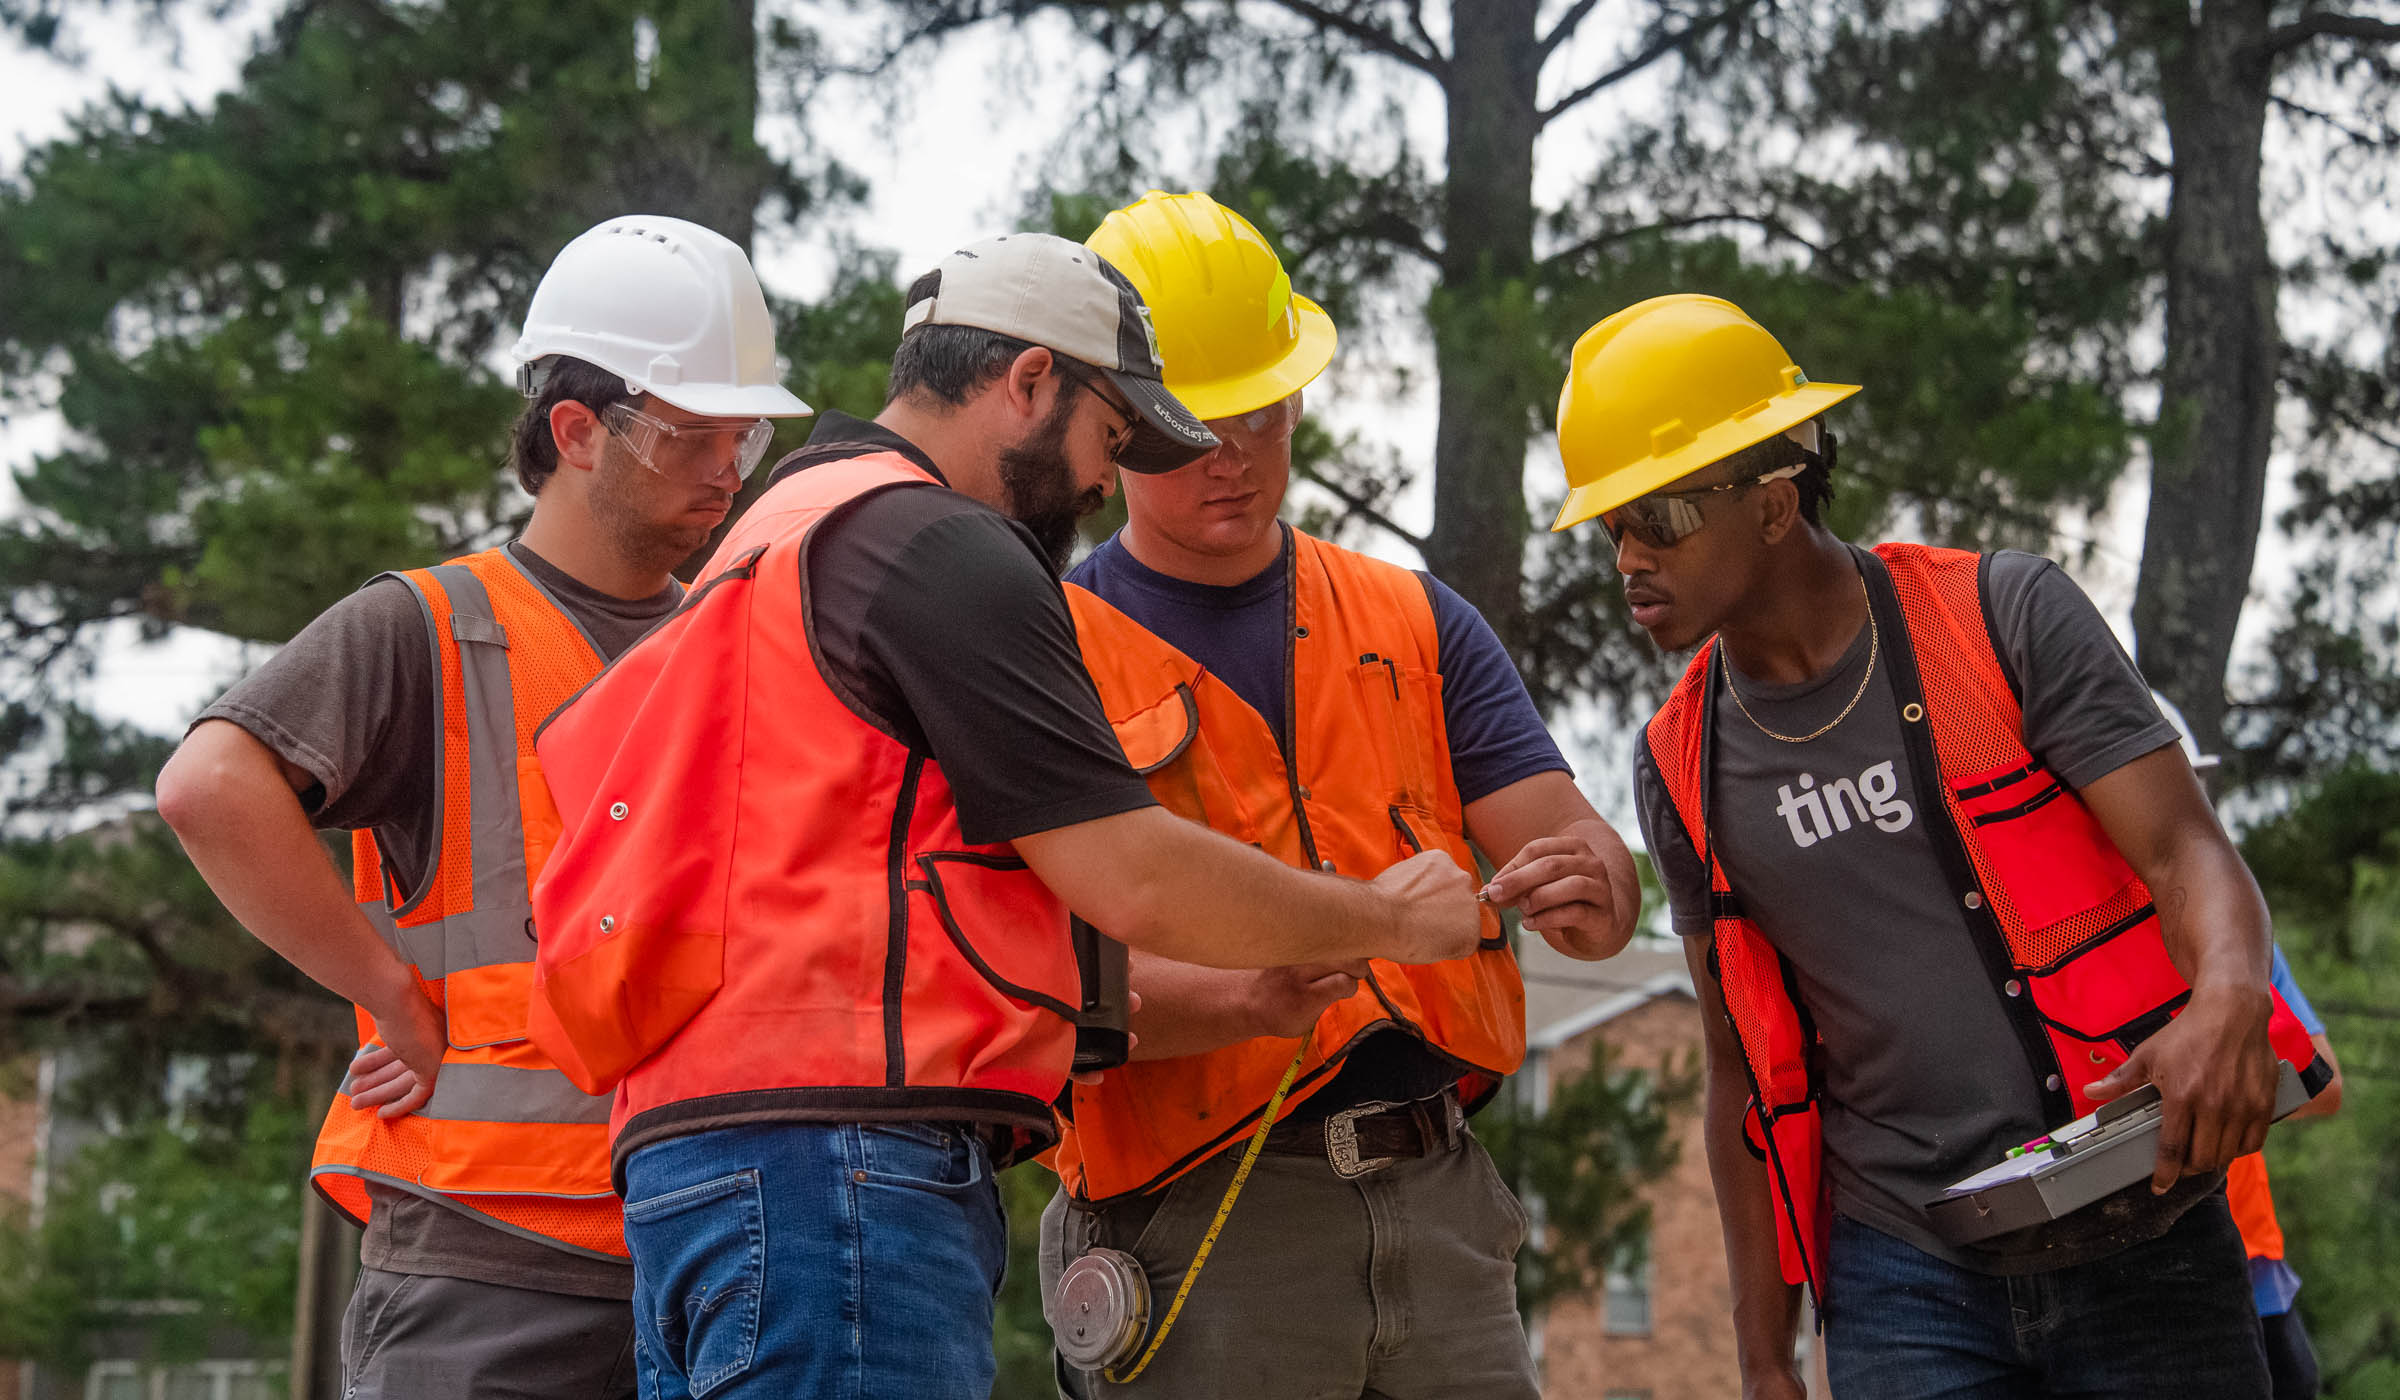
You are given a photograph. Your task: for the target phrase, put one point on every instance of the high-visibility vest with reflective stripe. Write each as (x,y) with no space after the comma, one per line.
(506,1138)
(760,903)
(2067,931)
(1365,784)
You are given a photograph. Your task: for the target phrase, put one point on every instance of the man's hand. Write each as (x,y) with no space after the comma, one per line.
(1286,1001)
(1436,916)
(2215,1072)
(396,1077)
(1559,887)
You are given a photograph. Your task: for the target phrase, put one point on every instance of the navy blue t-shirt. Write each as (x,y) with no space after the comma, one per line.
(1496,735)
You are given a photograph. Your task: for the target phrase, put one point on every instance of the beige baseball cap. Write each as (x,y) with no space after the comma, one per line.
(1064,297)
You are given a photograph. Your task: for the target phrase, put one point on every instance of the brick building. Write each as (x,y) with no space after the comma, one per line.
(1665,1333)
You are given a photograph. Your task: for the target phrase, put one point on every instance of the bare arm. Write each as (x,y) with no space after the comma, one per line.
(1766,1310)
(2213,1065)
(1189,1010)
(1163,885)
(1565,871)
(233,803)
(2328,1101)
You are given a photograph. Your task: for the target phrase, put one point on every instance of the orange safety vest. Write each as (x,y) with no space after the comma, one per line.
(1365,784)
(505,1138)
(760,902)
(2066,929)
(2254,1206)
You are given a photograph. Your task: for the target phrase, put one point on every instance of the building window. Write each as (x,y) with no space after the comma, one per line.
(1625,1300)
(197,1380)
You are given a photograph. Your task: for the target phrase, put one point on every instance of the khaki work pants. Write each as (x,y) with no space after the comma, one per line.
(1398,1285)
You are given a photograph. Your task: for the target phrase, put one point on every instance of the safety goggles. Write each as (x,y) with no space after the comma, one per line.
(1664,519)
(1260,431)
(688,451)
(1120,438)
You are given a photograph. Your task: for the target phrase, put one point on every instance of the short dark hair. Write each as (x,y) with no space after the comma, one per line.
(532,450)
(950,363)
(1814,483)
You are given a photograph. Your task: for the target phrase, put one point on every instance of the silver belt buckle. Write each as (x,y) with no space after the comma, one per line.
(1341,1141)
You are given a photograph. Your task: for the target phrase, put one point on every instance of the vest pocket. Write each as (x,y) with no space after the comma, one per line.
(2044,845)
(1399,708)
(485,1006)
(995,897)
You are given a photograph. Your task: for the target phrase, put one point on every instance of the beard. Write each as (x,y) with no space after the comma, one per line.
(1041,487)
(622,507)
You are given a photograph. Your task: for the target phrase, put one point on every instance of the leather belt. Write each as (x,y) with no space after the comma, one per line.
(1358,1140)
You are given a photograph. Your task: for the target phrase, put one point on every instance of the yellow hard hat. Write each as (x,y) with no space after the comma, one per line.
(1231,333)
(1664,388)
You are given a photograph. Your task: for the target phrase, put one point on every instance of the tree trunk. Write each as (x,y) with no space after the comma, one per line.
(1477,545)
(2216,420)
(703,162)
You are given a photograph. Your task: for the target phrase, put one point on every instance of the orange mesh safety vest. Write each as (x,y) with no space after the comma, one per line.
(760,902)
(1366,784)
(506,1138)
(2067,931)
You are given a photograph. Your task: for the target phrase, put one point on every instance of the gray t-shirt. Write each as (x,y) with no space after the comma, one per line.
(1925,1078)
(353,700)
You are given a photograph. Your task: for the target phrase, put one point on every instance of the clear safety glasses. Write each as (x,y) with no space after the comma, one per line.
(1260,431)
(689,451)
(1664,519)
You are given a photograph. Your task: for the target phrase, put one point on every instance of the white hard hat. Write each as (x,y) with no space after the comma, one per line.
(672,308)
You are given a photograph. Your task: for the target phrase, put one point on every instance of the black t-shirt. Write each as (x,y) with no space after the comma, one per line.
(937,621)
(1925,1080)
(355,700)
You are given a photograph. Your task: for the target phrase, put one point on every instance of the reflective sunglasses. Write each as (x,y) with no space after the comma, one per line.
(688,451)
(1664,519)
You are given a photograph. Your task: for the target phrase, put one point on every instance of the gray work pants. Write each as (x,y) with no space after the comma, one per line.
(425,1337)
(1400,1284)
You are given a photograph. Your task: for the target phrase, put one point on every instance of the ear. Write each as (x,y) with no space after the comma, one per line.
(1022,385)
(1779,510)
(578,432)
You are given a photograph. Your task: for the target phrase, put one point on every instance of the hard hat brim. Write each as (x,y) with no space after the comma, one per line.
(1312,350)
(734,400)
(1785,410)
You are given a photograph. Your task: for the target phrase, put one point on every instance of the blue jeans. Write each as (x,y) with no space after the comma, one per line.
(837,1260)
(2168,1320)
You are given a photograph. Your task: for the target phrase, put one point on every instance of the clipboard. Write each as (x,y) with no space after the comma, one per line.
(2095,1156)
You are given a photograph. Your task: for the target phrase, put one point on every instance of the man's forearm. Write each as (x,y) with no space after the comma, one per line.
(1188,1010)
(1766,1310)
(227,799)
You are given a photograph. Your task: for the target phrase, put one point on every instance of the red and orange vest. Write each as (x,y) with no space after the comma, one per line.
(2067,930)
(760,901)
(1365,784)
(506,1138)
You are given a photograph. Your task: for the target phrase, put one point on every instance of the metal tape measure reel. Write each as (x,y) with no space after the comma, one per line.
(1102,1310)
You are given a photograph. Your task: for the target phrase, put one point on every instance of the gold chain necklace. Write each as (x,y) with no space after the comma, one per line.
(1874,642)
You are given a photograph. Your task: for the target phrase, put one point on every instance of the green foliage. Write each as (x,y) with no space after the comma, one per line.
(1606,1132)
(2331,872)
(187,1221)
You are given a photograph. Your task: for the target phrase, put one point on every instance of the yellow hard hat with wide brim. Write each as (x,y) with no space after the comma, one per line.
(1668,386)
(1232,334)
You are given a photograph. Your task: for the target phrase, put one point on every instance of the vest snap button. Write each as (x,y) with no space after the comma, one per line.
(617,810)
(1912,712)
(607,922)
(2013,987)
(2052,1082)
(1972,900)
(2099,1058)
(1300,632)
(1325,865)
